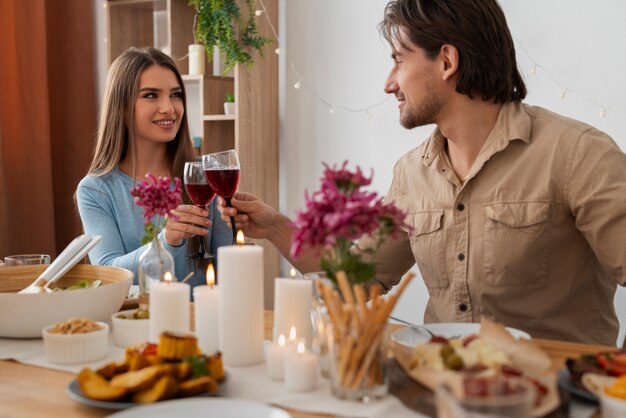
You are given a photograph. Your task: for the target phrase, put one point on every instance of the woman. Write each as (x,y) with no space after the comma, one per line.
(143,129)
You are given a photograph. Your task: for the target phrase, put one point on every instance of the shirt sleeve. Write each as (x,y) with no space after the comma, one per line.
(394,256)
(595,179)
(221,233)
(96,214)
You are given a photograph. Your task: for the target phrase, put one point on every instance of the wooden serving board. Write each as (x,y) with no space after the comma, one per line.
(421,399)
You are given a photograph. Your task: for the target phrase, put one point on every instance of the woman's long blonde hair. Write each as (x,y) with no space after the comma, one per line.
(116,121)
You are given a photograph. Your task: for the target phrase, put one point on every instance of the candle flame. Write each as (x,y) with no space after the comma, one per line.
(300,348)
(210,275)
(167,277)
(281,340)
(293,273)
(292,334)
(240,238)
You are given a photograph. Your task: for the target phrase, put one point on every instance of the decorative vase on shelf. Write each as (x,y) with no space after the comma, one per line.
(154,262)
(229,104)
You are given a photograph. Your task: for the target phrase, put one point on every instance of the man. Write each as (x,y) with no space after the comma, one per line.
(518,213)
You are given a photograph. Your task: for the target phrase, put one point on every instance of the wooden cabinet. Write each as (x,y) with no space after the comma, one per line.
(252,131)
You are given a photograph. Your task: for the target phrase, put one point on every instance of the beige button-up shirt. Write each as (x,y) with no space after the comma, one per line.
(535,238)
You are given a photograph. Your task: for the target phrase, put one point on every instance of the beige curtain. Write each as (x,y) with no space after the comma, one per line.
(47,120)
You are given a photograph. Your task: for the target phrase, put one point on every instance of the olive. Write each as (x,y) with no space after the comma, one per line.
(141,314)
(454,362)
(446,351)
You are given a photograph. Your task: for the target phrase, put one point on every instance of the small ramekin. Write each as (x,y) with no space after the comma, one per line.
(128,332)
(75,348)
(611,406)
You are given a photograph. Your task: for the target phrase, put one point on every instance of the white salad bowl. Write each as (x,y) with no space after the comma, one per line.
(25,315)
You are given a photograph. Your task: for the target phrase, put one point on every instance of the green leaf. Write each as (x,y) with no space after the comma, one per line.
(198,366)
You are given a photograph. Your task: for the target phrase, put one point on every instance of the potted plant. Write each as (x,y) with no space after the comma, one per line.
(220,23)
(229,104)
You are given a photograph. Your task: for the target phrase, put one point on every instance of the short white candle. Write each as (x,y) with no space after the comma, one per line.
(275,359)
(169,307)
(206,310)
(301,370)
(196,59)
(241,311)
(292,307)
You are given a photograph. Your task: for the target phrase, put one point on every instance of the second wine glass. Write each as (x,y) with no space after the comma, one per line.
(200,193)
(222,173)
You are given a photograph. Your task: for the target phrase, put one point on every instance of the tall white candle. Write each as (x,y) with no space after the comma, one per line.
(196,59)
(169,307)
(206,310)
(292,307)
(300,370)
(241,315)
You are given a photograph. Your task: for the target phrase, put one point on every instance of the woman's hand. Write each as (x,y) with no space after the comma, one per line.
(255,217)
(190,221)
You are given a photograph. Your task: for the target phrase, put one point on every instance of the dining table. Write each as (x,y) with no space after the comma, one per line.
(30,391)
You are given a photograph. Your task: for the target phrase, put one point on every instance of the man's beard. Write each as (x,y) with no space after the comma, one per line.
(423,113)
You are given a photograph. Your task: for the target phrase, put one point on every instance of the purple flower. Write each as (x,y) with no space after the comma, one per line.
(340,213)
(157,198)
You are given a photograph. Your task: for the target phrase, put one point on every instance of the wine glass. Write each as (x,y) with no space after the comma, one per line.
(200,193)
(222,173)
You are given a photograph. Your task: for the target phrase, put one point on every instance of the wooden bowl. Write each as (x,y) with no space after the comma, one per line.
(24,316)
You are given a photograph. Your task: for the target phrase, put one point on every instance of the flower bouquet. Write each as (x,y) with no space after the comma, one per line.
(156,196)
(335,217)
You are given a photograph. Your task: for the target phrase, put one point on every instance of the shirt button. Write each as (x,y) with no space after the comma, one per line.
(462,307)
(461,257)
(460,207)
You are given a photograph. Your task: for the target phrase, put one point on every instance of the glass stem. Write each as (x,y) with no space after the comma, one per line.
(232,220)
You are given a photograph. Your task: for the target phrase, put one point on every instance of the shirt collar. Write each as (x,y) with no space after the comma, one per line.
(513,123)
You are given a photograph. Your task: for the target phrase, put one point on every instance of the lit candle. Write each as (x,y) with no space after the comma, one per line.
(300,370)
(206,310)
(196,59)
(275,359)
(241,315)
(169,307)
(292,306)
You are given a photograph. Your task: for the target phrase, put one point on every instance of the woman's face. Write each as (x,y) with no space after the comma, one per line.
(159,106)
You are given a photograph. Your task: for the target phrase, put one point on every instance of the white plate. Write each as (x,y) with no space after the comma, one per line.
(192,408)
(410,338)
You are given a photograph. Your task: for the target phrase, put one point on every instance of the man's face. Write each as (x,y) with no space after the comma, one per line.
(412,80)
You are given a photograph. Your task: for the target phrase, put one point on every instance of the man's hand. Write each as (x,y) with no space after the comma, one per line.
(255,217)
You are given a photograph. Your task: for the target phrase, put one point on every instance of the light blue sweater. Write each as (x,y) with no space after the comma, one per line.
(107,209)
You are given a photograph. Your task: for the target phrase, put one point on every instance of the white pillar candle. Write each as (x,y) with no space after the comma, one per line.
(292,307)
(206,311)
(169,307)
(300,370)
(241,315)
(196,59)
(275,358)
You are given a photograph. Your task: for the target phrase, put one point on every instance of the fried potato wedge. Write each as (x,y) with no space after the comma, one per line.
(197,386)
(138,380)
(96,387)
(111,369)
(165,388)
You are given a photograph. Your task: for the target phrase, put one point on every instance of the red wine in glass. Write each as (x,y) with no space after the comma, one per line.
(200,194)
(221,170)
(223,180)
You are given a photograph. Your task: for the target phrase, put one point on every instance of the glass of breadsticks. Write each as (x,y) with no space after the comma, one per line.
(357,318)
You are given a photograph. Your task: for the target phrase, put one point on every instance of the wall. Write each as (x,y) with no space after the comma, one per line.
(340,59)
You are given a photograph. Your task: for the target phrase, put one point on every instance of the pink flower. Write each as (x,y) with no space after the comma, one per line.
(157,198)
(339,214)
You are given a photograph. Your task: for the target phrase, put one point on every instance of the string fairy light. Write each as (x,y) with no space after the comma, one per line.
(565,90)
(332,107)
(300,83)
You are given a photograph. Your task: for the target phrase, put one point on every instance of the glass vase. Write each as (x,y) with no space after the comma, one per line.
(320,322)
(154,262)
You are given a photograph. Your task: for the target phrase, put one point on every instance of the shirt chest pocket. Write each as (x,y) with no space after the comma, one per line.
(515,243)
(427,244)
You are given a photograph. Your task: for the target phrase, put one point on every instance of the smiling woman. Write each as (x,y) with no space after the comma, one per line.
(143,129)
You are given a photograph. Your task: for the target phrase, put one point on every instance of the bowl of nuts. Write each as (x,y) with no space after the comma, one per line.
(77,340)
